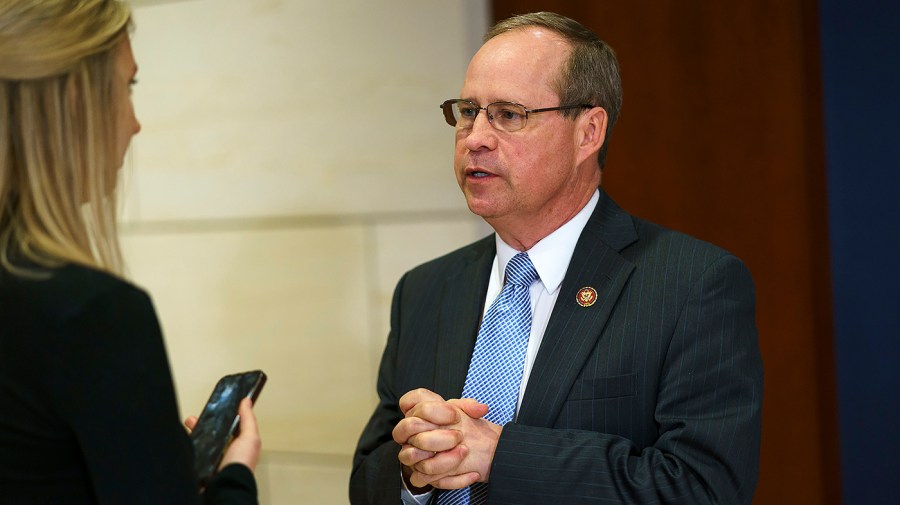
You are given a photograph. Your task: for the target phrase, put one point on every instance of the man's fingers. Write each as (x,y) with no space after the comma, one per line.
(456,481)
(436,440)
(441,413)
(472,408)
(419,479)
(410,426)
(410,455)
(442,463)
(417,396)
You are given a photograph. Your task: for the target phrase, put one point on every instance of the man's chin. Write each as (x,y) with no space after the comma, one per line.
(483,210)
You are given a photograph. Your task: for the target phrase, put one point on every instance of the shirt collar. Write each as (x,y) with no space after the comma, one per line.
(551,255)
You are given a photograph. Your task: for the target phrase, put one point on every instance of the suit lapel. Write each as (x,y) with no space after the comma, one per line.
(573,330)
(461,307)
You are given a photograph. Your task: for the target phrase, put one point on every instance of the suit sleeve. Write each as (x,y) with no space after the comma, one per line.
(116,392)
(232,485)
(375,477)
(707,415)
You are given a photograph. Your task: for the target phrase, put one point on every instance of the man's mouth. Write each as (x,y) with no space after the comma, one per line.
(477,173)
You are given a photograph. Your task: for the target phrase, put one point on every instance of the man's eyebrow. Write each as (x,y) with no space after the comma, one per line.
(492,100)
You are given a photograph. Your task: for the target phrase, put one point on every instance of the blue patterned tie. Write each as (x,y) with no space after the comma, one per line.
(496,368)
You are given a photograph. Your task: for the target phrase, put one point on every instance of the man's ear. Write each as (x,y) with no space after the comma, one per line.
(591,132)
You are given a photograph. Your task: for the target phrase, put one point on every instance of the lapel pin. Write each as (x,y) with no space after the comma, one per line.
(586,296)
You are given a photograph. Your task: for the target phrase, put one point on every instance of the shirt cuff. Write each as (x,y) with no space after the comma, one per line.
(408,498)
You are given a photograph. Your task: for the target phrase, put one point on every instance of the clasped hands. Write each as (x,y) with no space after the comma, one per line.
(444,443)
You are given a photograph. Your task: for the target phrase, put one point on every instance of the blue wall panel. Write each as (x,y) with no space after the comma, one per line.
(861,79)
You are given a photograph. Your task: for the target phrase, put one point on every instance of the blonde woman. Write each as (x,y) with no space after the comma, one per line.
(87,406)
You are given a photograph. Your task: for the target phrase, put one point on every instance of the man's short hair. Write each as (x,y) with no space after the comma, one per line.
(590,76)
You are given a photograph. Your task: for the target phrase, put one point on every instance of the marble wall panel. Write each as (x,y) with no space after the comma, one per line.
(291,479)
(261,108)
(292,302)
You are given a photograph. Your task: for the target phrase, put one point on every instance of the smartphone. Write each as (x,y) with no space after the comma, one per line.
(219,421)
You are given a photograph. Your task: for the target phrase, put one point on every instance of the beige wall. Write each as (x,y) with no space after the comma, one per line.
(293,164)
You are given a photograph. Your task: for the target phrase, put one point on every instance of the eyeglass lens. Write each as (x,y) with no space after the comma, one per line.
(504,116)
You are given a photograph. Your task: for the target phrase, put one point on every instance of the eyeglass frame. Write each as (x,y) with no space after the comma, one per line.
(453,101)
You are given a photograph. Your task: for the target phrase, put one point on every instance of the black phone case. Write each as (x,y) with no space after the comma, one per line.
(218,422)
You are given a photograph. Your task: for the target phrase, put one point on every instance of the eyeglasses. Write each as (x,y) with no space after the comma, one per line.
(504,116)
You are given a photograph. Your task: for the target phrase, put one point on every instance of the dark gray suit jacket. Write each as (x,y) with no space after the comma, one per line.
(651,395)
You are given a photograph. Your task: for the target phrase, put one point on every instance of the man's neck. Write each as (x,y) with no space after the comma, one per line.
(523,232)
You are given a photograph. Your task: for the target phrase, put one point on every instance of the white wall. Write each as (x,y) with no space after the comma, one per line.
(293,164)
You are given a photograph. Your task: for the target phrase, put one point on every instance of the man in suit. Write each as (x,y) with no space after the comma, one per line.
(639,378)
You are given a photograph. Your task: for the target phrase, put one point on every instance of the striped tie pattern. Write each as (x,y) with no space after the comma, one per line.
(495,371)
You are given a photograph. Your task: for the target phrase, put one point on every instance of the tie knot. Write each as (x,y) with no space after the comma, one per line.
(520,271)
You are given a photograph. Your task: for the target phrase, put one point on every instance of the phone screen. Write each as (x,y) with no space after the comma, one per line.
(219,420)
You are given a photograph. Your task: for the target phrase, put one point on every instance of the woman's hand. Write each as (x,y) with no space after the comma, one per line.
(245,447)
(189,423)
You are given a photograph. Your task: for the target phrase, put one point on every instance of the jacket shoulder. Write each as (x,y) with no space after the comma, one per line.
(454,261)
(55,295)
(658,238)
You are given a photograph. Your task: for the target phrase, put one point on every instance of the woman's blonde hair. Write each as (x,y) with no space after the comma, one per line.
(58,132)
